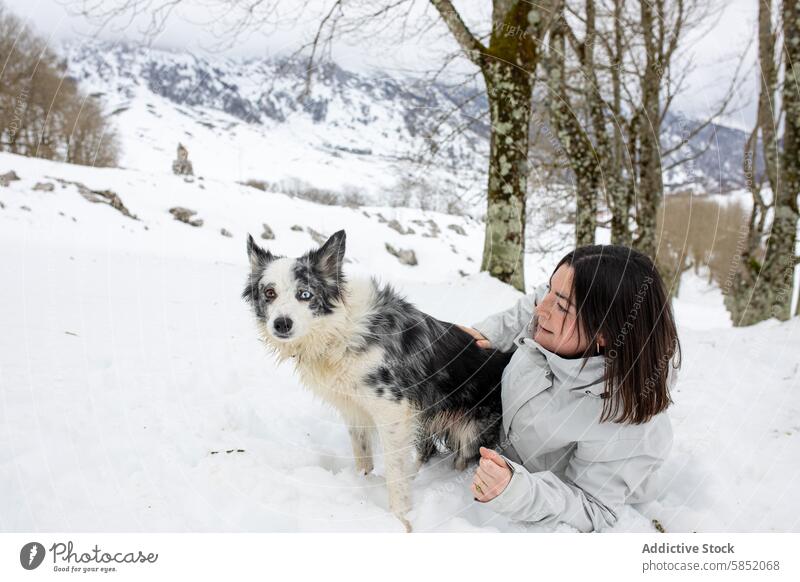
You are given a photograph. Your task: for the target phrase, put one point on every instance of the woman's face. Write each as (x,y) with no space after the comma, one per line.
(556,317)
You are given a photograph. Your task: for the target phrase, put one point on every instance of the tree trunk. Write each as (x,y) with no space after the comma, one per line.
(585,159)
(762,290)
(782,240)
(651,186)
(510,91)
(508,65)
(617,197)
(586,208)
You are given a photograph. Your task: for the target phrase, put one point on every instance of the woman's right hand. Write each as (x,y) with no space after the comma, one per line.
(480,340)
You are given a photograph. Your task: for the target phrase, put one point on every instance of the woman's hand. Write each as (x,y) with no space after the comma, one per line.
(481,341)
(492,476)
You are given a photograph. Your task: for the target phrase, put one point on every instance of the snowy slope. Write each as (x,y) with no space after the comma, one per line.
(129,367)
(245,119)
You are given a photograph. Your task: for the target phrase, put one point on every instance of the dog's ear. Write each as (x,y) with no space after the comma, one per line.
(258,256)
(330,256)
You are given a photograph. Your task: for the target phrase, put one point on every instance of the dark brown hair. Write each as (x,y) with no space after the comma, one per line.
(620,297)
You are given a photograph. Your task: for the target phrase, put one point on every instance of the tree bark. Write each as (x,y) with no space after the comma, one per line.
(508,65)
(510,92)
(618,200)
(651,186)
(780,259)
(762,290)
(585,159)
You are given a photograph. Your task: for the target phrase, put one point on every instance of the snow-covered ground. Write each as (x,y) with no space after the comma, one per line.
(135,396)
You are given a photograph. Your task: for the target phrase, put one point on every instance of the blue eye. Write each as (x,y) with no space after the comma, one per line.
(304,295)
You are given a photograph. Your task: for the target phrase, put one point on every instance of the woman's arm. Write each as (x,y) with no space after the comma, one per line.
(544,498)
(596,485)
(501,328)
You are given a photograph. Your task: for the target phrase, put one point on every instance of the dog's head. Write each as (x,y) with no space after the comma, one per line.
(289,296)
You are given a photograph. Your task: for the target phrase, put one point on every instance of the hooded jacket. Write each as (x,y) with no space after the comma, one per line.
(566,465)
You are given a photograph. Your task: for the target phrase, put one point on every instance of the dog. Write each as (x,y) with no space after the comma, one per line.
(386,366)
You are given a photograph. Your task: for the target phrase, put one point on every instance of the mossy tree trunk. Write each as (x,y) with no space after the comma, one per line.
(508,65)
(762,289)
(651,186)
(510,92)
(619,201)
(588,158)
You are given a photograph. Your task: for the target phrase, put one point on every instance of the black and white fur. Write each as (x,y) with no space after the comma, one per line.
(385,365)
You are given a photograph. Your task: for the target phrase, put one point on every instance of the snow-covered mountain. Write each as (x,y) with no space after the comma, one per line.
(247,119)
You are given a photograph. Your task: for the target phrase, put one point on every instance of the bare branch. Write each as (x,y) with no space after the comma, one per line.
(473,48)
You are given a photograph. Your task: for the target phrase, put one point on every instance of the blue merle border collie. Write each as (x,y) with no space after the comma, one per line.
(389,368)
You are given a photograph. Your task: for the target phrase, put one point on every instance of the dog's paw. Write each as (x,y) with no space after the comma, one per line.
(406,524)
(364,467)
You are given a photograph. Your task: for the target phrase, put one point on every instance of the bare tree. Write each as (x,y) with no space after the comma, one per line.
(586,159)
(42,112)
(763,282)
(610,75)
(780,260)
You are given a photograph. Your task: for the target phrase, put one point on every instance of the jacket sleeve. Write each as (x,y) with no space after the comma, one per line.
(596,484)
(501,328)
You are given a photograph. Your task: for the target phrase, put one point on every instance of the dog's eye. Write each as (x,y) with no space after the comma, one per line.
(304,295)
(270,294)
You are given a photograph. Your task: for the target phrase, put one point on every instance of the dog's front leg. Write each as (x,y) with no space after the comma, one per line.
(361,428)
(396,430)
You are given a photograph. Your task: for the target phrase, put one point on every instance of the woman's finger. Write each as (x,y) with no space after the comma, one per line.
(494,457)
(471,331)
(490,489)
(477,494)
(480,340)
(489,480)
(491,468)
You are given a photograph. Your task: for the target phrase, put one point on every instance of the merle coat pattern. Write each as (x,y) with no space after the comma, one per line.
(386,366)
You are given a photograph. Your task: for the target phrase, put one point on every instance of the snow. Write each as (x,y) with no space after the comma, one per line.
(130,366)
(699,304)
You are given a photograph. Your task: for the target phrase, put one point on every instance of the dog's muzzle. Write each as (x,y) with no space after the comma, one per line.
(283,327)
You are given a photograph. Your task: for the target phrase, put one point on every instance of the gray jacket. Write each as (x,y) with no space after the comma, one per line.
(567,466)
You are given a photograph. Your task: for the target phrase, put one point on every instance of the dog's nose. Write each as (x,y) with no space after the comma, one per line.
(283,325)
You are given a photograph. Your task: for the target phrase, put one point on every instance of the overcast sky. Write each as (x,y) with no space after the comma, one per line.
(713,51)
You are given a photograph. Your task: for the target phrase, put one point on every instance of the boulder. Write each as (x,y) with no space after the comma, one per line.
(185,215)
(405,256)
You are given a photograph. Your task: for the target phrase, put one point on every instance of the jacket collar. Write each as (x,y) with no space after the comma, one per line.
(581,374)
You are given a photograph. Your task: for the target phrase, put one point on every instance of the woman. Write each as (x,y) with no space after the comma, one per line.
(585,393)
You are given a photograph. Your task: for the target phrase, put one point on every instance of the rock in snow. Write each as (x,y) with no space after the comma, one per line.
(405,256)
(185,215)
